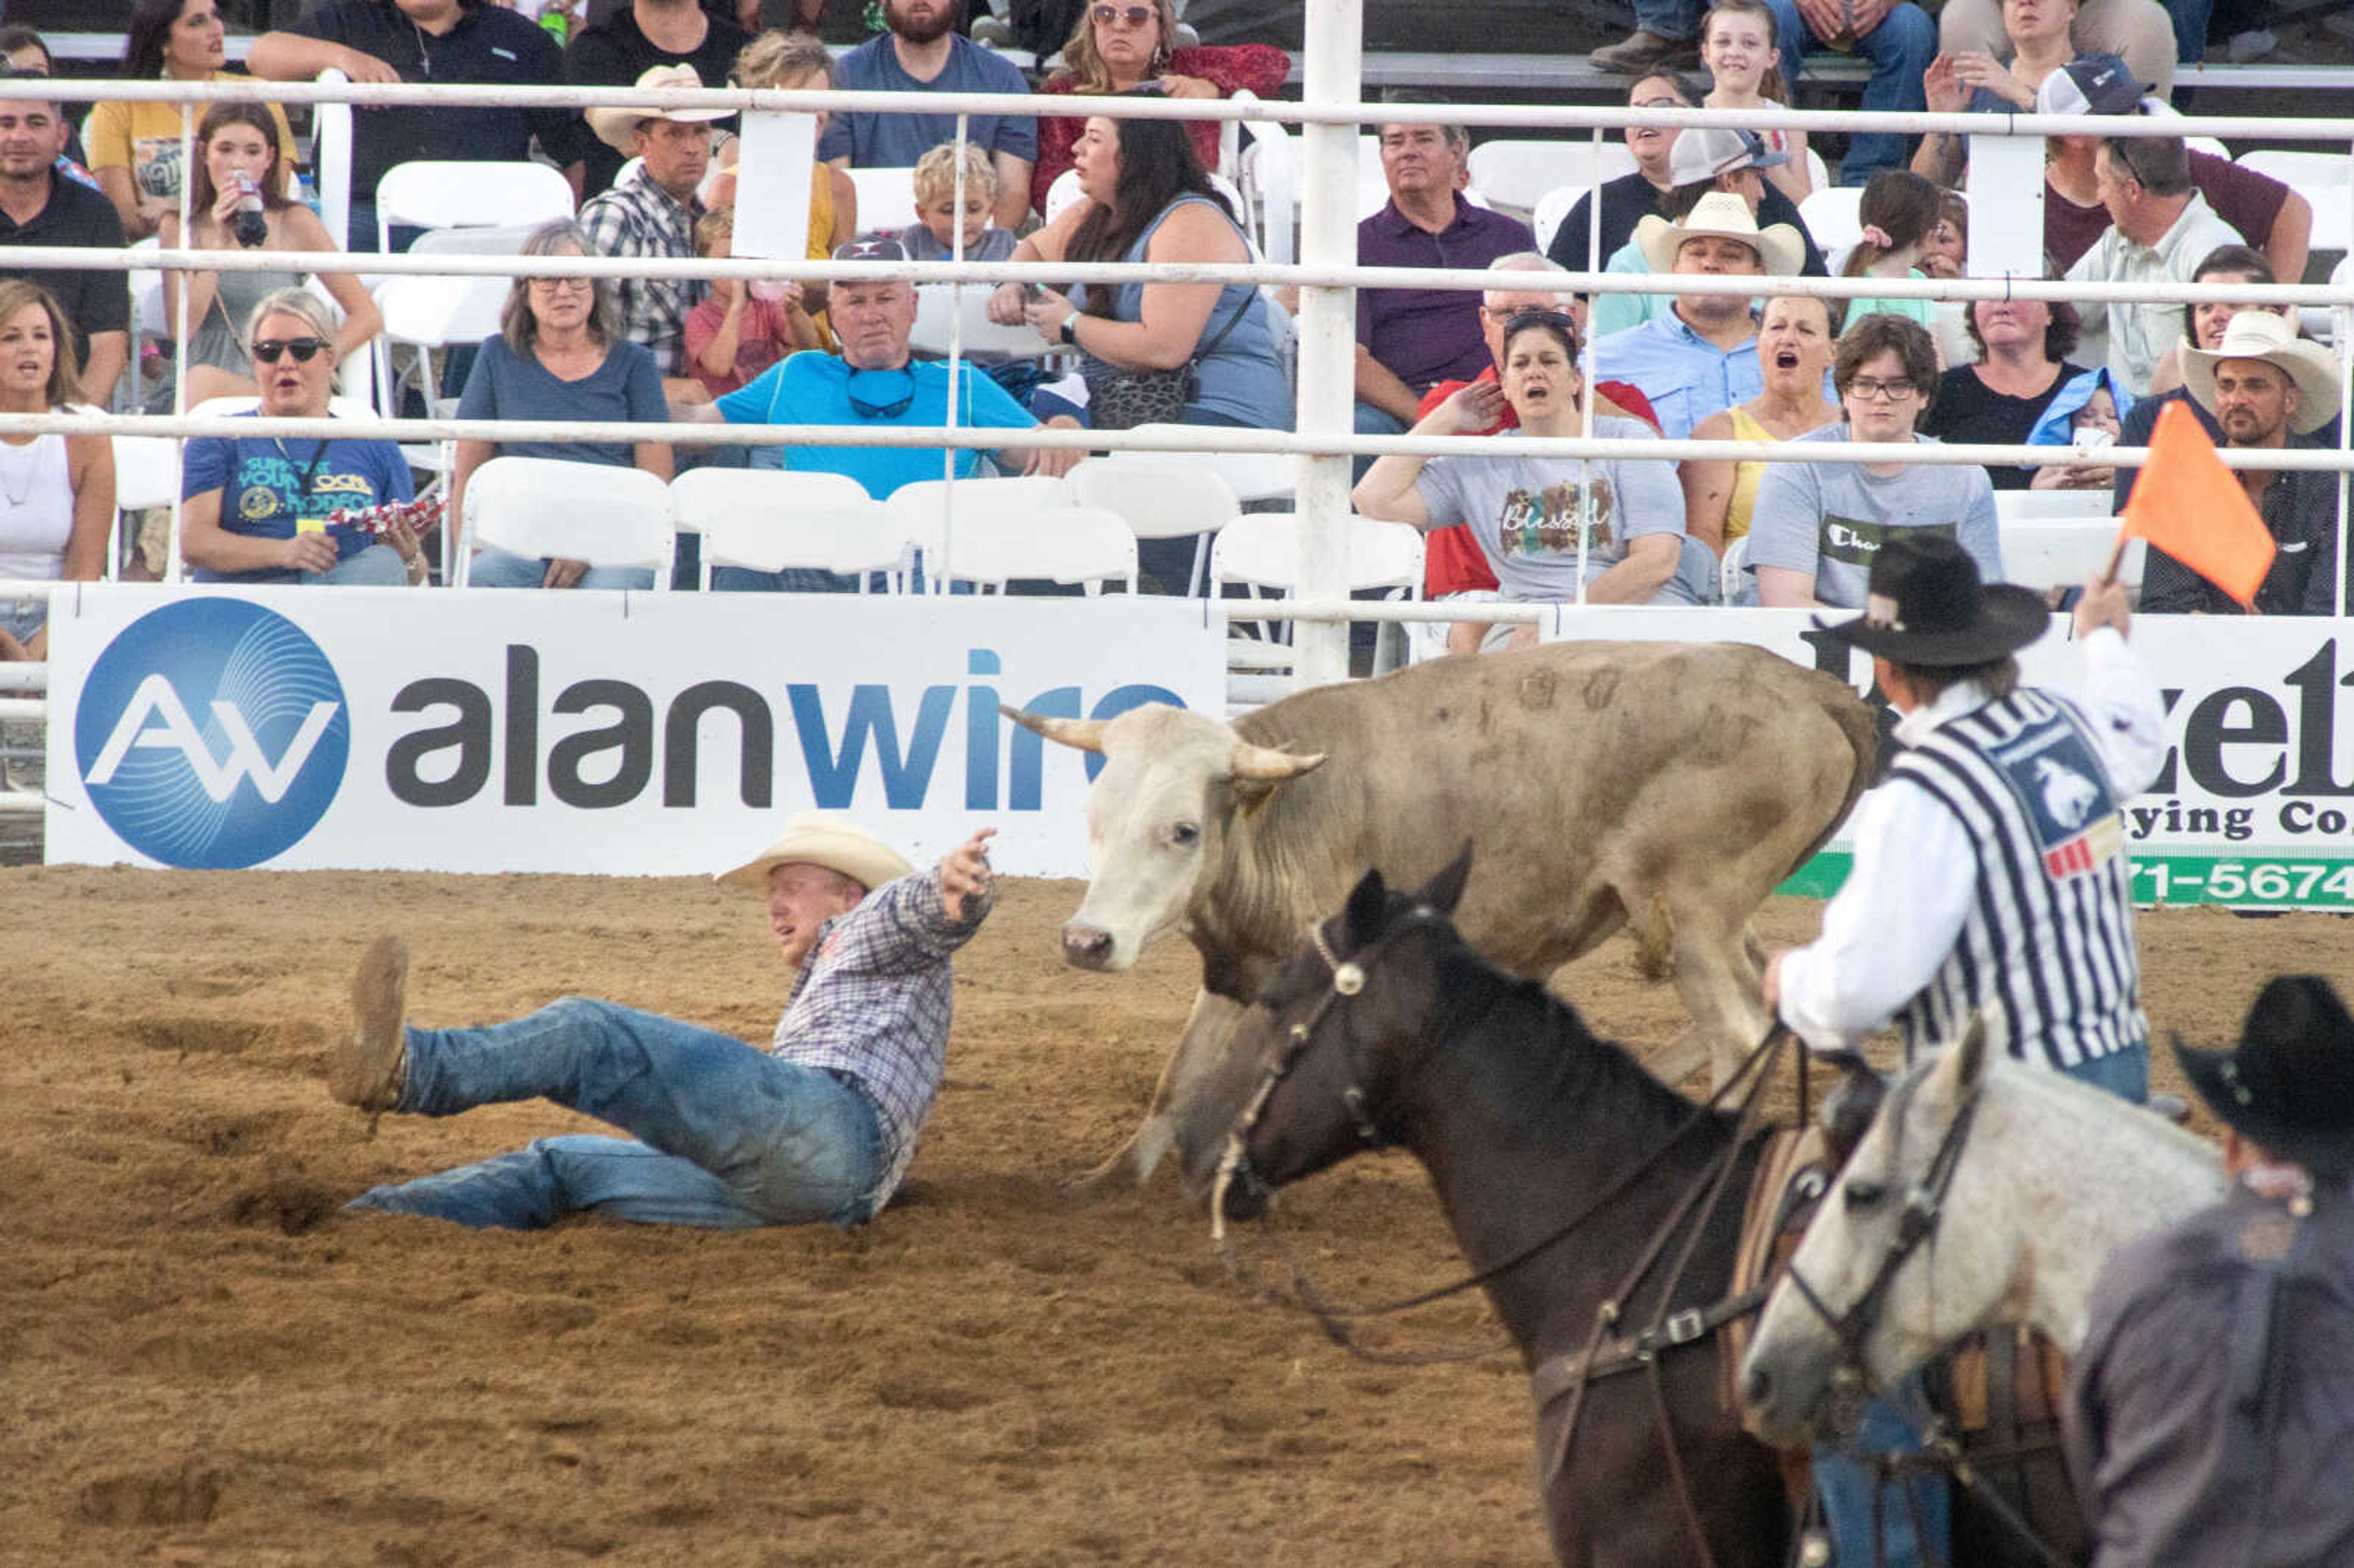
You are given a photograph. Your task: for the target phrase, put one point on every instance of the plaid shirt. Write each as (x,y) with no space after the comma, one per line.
(638,218)
(873,1002)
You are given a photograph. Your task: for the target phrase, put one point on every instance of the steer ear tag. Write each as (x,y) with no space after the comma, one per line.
(1347,980)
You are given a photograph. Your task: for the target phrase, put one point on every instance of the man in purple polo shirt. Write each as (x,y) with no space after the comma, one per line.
(1408,340)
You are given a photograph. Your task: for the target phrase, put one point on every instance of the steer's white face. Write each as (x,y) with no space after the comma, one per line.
(1150,821)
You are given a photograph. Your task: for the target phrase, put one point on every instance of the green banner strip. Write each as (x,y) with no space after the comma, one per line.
(2171,881)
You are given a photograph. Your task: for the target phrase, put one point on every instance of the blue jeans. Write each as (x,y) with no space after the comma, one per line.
(21,618)
(496,568)
(2124,1073)
(1846,1485)
(725,1136)
(1676,19)
(792,579)
(2191,18)
(378,565)
(1900,49)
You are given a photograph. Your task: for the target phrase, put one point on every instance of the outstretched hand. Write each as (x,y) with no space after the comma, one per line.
(965,874)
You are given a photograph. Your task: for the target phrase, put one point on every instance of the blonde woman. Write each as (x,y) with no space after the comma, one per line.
(56,492)
(793,62)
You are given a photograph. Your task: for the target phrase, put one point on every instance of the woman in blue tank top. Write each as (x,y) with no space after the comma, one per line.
(1149,200)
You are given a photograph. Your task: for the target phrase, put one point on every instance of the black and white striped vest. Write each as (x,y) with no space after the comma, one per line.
(2047,946)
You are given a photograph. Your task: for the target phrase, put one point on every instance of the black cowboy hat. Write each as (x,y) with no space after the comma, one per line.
(1926,606)
(2290,1083)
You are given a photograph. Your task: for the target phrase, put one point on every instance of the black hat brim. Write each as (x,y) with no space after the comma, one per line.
(2328,1153)
(2009,617)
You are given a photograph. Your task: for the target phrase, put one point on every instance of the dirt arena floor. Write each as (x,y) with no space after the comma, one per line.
(205,1363)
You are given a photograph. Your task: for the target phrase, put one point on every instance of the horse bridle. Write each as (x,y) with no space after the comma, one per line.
(1347,980)
(1924,1204)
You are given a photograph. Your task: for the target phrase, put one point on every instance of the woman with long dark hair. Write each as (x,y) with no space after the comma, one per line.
(134,148)
(1149,200)
(235,151)
(56,492)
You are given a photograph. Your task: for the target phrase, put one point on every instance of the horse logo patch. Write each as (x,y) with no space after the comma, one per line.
(2065,794)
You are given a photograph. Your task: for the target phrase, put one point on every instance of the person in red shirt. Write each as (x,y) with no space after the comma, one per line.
(1453,566)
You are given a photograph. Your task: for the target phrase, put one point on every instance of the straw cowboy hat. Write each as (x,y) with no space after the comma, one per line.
(2289,1086)
(1925,606)
(822,837)
(618,128)
(1723,213)
(2260,335)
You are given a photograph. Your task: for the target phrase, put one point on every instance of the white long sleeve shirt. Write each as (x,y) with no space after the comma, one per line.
(1901,911)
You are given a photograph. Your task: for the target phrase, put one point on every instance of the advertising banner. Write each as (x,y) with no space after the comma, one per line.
(638,735)
(2255,806)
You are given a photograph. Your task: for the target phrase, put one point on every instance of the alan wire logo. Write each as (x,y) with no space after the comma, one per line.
(212,734)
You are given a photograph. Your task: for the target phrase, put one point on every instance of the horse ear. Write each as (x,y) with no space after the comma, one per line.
(1445,891)
(1970,1059)
(1849,1109)
(1363,917)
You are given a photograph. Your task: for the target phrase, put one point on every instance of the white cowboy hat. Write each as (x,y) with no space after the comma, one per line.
(1723,213)
(2260,335)
(822,837)
(618,128)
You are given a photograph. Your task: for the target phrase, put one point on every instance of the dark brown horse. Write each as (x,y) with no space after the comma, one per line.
(1525,1120)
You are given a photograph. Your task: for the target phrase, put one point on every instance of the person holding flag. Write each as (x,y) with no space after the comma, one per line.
(2256,538)
(1990,878)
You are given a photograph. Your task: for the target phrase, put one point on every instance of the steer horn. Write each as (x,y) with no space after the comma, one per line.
(1087,734)
(1270,766)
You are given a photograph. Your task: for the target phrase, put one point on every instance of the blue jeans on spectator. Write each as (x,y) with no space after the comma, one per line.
(792,579)
(1847,1487)
(1676,19)
(723,1134)
(2191,18)
(378,565)
(496,568)
(21,618)
(1900,49)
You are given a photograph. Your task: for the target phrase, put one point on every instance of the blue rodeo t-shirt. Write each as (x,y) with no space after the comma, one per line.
(268,486)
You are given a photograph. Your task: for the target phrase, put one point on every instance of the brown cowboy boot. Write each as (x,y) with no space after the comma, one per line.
(369,1066)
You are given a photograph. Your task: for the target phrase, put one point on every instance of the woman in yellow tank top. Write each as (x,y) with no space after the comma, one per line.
(1796,341)
(794,62)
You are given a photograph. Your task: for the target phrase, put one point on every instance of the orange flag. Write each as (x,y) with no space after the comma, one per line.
(2189,504)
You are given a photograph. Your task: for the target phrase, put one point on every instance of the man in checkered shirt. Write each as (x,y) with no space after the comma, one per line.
(820,1127)
(652,213)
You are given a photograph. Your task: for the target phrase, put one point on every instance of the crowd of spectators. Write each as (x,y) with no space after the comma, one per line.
(1714,203)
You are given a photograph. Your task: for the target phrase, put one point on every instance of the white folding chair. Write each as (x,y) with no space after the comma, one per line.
(1834,216)
(1516,174)
(1261,551)
(146,474)
(1729,582)
(886,199)
(769,520)
(939,304)
(2065,554)
(1063,193)
(1086,545)
(596,512)
(1160,495)
(1252,476)
(1818,174)
(1552,211)
(2022,506)
(330,156)
(440,193)
(930,518)
(1267,177)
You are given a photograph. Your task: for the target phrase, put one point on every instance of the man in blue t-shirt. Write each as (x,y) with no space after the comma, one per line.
(875,379)
(923,52)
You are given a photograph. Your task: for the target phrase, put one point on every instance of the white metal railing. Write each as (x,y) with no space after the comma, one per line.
(1333,107)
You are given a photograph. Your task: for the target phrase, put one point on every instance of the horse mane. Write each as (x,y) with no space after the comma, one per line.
(1579,1060)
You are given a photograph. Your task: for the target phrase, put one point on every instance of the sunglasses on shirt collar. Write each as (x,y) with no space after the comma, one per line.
(304,349)
(878,247)
(882,410)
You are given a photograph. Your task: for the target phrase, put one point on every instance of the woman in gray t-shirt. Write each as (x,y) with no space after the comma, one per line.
(1817,525)
(1546,525)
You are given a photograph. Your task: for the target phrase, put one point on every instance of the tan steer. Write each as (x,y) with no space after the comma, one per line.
(1664,787)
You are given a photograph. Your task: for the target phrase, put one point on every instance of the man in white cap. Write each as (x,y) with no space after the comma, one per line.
(1705,160)
(651,212)
(2269,390)
(1701,355)
(820,1127)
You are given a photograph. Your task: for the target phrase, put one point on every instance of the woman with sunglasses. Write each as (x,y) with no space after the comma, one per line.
(1547,526)
(56,492)
(1130,47)
(256,507)
(559,354)
(236,156)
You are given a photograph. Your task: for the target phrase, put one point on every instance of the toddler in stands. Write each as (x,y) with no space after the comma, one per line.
(741,329)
